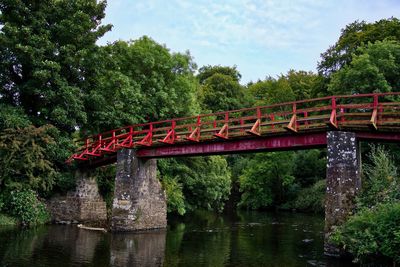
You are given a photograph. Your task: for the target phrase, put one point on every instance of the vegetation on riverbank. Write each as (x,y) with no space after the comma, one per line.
(374,229)
(57,85)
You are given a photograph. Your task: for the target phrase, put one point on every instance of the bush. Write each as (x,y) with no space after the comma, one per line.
(372,232)
(206,181)
(312,198)
(375,229)
(381,183)
(26,207)
(175,197)
(6,220)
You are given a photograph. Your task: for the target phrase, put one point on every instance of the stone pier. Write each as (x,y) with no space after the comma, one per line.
(84,204)
(343,181)
(139,201)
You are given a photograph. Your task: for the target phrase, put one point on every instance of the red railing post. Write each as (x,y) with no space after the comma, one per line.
(333,118)
(374,115)
(305,114)
(113,139)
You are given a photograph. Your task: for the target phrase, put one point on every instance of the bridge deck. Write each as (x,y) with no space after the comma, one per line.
(291,125)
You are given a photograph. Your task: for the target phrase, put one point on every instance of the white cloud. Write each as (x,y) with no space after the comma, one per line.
(263,37)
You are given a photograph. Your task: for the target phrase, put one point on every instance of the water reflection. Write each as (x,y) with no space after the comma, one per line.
(145,249)
(200,239)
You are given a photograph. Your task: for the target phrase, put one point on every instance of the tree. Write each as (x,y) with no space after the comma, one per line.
(354,35)
(140,81)
(272,91)
(24,161)
(204,181)
(44,45)
(304,84)
(266,180)
(220,89)
(375,68)
(206,72)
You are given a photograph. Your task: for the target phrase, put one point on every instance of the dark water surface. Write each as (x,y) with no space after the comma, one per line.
(200,239)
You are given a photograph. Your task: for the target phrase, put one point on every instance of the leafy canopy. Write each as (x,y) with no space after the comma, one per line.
(44,45)
(374,69)
(353,36)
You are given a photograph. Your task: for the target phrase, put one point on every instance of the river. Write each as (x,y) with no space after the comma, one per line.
(199,239)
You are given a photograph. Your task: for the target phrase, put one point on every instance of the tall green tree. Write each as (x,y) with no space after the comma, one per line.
(375,68)
(206,72)
(272,91)
(353,36)
(221,90)
(43,48)
(140,81)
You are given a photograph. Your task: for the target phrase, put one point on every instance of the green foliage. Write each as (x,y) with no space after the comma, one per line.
(44,46)
(375,69)
(375,229)
(310,166)
(105,177)
(381,183)
(6,220)
(353,36)
(372,232)
(220,89)
(311,198)
(205,181)
(23,158)
(175,197)
(206,72)
(26,207)
(304,84)
(266,180)
(12,117)
(272,91)
(140,81)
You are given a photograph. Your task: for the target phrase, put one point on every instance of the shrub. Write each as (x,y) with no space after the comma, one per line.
(175,197)
(381,183)
(375,229)
(6,220)
(312,198)
(24,160)
(26,207)
(372,232)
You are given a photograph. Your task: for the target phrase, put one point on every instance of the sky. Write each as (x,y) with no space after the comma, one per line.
(261,37)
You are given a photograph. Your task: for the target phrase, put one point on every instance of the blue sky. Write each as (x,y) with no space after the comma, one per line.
(261,38)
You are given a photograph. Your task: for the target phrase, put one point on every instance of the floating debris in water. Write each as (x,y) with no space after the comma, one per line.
(307,240)
(254,224)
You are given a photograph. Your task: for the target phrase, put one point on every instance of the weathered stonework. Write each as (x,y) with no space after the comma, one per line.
(139,201)
(84,204)
(343,181)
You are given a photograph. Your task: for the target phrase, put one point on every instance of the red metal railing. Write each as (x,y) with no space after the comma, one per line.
(375,112)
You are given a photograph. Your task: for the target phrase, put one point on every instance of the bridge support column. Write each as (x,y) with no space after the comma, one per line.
(343,181)
(139,201)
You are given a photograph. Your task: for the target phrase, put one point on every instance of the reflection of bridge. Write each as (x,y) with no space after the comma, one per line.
(292,125)
(335,122)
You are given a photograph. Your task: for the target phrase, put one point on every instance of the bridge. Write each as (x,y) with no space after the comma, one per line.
(337,123)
